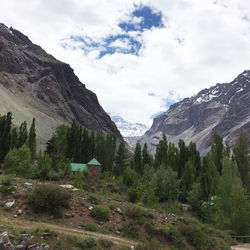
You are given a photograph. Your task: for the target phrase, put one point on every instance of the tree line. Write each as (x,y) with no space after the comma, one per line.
(217,186)
(18,150)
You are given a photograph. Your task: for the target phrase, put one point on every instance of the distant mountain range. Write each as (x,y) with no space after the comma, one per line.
(35,84)
(223,108)
(131,132)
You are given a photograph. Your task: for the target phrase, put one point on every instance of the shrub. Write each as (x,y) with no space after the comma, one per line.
(93,199)
(90,227)
(134,211)
(196,234)
(101,213)
(174,207)
(18,162)
(132,194)
(6,187)
(106,243)
(49,198)
(130,177)
(86,243)
(170,233)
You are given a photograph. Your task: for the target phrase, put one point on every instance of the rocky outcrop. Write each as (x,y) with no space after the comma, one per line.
(35,84)
(224,108)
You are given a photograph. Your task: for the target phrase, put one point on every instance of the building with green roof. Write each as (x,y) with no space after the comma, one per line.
(93,167)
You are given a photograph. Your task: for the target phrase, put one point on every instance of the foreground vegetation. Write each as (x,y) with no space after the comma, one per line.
(215,187)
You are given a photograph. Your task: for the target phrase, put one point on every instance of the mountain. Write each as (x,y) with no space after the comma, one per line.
(224,108)
(35,84)
(131,132)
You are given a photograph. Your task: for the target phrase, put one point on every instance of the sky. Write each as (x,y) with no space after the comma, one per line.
(139,57)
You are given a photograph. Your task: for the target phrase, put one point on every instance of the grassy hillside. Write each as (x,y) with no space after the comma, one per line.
(100,210)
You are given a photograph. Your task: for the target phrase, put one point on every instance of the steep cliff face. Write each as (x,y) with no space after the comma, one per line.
(224,108)
(35,84)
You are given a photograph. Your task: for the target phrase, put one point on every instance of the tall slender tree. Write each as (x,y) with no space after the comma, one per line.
(32,139)
(242,160)
(217,152)
(23,134)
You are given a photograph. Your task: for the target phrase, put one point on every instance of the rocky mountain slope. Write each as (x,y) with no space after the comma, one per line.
(224,108)
(35,84)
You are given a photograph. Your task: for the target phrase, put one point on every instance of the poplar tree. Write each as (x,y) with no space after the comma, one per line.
(145,156)
(161,155)
(137,159)
(32,139)
(23,134)
(120,163)
(242,160)
(217,152)
(5,135)
(209,177)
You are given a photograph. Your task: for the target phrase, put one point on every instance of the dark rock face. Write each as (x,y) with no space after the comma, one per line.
(36,84)
(224,108)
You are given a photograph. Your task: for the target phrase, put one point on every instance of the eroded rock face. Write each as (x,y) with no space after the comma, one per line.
(35,84)
(224,108)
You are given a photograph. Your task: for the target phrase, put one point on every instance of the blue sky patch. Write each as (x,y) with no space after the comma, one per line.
(141,19)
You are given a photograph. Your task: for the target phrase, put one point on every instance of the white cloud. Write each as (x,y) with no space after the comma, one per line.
(214,47)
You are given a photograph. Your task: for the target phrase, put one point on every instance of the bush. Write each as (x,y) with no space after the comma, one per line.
(196,234)
(130,177)
(90,227)
(18,162)
(86,243)
(49,198)
(93,199)
(106,243)
(101,213)
(6,187)
(132,194)
(134,211)
(174,207)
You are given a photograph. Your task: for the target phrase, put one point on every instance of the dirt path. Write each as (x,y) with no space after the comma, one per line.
(241,247)
(24,224)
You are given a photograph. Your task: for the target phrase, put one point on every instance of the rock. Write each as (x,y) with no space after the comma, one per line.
(119,211)
(15,216)
(27,185)
(68,215)
(180,218)
(32,247)
(9,204)
(90,208)
(9,246)
(24,238)
(1,244)
(132,247)
(20,247)
(45,234)
(11,236)
(67,186)
(5,237)
(19,212)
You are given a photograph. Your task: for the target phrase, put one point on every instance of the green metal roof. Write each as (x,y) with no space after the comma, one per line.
(94,162)
(78,167)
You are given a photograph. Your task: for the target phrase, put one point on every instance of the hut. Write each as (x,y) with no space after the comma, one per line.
(93,167)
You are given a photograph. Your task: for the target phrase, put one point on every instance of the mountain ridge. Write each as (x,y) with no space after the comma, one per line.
(223,108)
(35,84)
